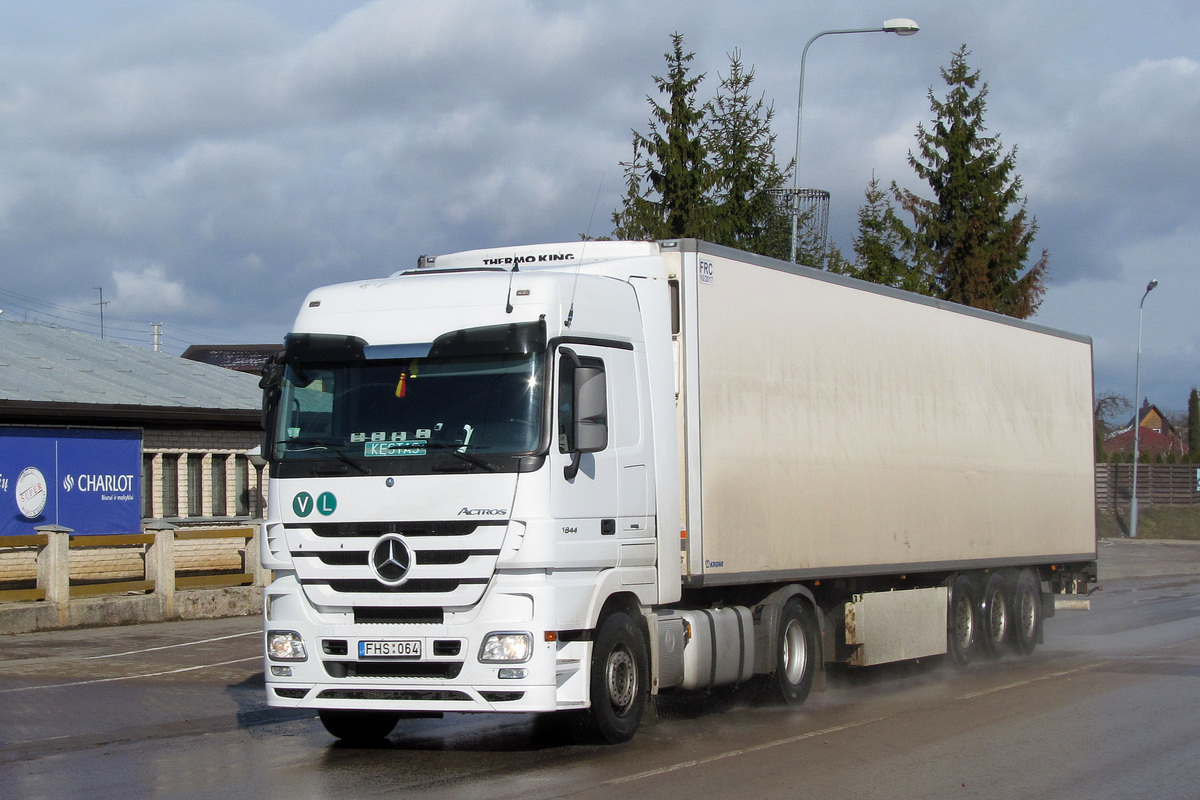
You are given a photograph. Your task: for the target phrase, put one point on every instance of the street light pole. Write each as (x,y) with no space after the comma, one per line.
(1137,422)
(898,26)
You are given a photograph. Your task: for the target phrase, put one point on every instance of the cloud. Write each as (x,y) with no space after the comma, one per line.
(148,292)
(241,153)
(1121,170)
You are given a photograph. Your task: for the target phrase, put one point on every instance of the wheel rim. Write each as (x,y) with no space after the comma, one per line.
(621,678)
(964,623)
(998,617)
(1027,614)
(795,651)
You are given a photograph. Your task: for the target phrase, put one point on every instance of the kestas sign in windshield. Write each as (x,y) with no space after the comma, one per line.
(88,481)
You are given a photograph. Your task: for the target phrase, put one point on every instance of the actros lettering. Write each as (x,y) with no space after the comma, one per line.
(482,512)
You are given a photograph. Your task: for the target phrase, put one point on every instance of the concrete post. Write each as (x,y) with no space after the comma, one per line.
(160,565)
(54,568)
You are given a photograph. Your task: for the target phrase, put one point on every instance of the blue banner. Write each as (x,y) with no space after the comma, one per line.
(89,481)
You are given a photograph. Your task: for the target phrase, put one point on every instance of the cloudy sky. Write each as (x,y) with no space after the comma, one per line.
(204,164)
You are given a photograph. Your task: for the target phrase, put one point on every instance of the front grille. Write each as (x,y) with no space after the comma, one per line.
(427,586)
(451,563)
(292,694)
(377,529)
(393,669)
(375,615)
(362,557)
(394,694)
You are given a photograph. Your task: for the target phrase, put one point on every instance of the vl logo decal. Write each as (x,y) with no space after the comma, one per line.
(303,504)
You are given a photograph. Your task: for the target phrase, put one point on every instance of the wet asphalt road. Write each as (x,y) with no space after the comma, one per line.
(1108,707)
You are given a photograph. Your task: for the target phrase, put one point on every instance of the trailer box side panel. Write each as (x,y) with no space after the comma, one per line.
(850,429)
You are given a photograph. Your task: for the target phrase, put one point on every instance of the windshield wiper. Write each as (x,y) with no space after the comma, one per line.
(454,449)
(314,444)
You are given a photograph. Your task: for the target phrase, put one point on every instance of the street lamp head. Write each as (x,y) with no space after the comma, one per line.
(1151,285)
(901,26)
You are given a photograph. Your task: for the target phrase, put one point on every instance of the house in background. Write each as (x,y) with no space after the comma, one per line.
(240,357)
(1157,437)
(191,424)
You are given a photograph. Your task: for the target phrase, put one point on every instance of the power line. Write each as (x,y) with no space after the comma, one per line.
(133,331)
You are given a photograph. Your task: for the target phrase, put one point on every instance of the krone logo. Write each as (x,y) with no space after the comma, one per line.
(31,492)
(391,560)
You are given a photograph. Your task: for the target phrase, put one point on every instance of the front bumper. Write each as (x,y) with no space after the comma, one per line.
(449,675)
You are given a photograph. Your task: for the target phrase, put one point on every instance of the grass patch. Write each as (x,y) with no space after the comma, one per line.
(1154,522)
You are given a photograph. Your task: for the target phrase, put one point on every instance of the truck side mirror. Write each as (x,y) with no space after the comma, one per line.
(589,412)
(591,409)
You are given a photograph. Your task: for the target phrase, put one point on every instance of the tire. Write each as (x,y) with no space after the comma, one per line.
(1027,612)
(619,680)
(797,650)
(962,624)
(995,615)
(359,727)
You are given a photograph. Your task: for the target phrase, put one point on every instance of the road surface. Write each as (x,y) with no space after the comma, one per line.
(1108,707)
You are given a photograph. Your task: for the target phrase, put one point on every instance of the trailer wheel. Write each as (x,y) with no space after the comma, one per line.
(620,675)
(995,614)
(1027,612)
(798,648)
(358,727)
(963,629)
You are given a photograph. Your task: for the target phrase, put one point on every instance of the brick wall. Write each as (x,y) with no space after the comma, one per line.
(198,474)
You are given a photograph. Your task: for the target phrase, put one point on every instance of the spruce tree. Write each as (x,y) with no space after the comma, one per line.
(669,179)
(879,245)
(741,149)
(972,248)
(1194,426)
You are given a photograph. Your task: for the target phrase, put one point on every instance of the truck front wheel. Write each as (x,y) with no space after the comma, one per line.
(358,727)
(620,676)
(798,648)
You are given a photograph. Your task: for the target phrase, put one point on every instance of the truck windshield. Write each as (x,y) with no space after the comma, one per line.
(466,408)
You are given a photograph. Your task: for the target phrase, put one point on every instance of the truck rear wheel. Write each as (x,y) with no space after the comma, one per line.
(995,614)
(620,677)
(1027,612)
(358,727)
(797,650)
(963,629)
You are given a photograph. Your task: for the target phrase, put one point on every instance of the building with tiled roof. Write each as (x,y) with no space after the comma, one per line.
(195,421)
(1157,437)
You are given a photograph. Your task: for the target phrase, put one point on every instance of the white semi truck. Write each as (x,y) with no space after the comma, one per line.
(568,477)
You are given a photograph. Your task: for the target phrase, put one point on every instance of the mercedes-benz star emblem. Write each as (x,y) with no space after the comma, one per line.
(391,560)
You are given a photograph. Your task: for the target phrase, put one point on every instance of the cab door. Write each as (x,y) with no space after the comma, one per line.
(585,473)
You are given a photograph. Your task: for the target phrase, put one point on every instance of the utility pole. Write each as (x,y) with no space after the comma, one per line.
(102,304)
(1137,418)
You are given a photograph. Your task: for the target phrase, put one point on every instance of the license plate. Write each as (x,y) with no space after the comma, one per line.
(402,648)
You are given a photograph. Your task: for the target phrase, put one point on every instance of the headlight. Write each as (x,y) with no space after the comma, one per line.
(285,646)
(506,648)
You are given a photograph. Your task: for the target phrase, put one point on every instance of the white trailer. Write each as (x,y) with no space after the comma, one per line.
(567,477)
